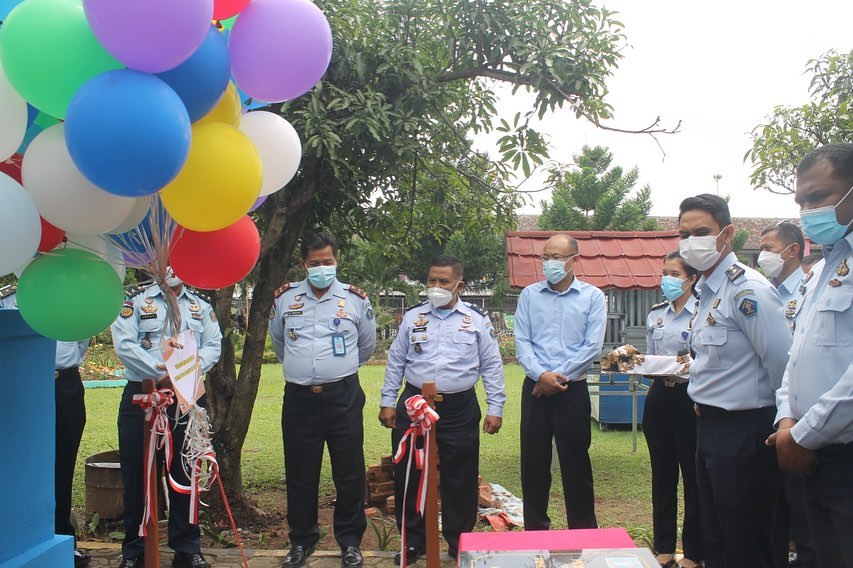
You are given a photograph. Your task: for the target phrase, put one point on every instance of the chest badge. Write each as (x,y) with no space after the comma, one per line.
(843,269)
(418,348)
(834,283)
(659,322)
(710,320)
(292,334)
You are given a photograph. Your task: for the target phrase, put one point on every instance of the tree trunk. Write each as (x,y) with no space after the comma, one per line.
(232,394)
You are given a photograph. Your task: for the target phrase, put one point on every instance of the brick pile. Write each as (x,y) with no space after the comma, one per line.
(380,485)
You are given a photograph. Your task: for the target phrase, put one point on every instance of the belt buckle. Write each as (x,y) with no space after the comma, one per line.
(317,389)
(55,374)
(697,410)
(439,397)
(669,382)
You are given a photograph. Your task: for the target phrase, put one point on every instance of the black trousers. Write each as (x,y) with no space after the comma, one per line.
(458,439)
(563,417)
(70,421)
(738,481)
(669,425)
(310,420)
(183,536)
(829,506)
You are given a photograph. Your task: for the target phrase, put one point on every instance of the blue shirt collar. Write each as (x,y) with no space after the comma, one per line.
(792,282)
(574,286)
(718,276)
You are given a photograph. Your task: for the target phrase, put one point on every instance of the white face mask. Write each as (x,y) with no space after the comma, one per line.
(171,280)
(439,297)
(700,252)
(771,263)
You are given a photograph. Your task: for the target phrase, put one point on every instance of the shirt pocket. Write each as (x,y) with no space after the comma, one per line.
(829,322)
(464,337)
(713,341)
(657,339)
(294,322)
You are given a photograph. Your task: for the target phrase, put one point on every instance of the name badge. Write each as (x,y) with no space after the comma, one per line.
(339,346)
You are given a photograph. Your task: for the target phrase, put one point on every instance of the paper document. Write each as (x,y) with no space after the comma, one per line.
(184,368)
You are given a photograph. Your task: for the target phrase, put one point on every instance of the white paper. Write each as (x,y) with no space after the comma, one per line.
(184,368)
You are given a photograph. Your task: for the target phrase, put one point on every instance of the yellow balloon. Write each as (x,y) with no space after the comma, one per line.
(219,182)
(229,109)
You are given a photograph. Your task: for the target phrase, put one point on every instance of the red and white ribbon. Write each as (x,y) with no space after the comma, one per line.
(154,404)
(198,460)
(423,418)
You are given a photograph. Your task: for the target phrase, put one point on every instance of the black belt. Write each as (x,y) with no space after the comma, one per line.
(440,396)
(70,372)
(669,382)
(325,387)
(706,410)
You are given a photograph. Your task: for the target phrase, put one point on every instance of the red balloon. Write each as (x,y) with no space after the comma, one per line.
(12,167)
(50,236)
(216,259)
(224,9)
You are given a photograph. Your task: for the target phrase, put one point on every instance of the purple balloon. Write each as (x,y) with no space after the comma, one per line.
(259,202)
(279,48)
(151,35)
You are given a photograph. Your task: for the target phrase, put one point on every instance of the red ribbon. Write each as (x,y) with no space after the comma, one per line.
(155,404)
(423,418)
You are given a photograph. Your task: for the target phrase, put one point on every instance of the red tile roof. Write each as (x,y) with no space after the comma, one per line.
(608,259)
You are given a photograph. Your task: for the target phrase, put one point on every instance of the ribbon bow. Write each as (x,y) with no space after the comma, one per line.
(423,418)
(154,404)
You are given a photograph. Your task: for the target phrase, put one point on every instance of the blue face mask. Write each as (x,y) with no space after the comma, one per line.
(821,225)
(321,277)
(672,287)
(554,270)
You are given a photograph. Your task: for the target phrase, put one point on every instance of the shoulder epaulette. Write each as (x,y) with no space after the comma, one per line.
(8,291)
(416,306)
(660,305)
(203,295)
(357,291)
(133,292)
(287,286)
(734,272)
(477,309)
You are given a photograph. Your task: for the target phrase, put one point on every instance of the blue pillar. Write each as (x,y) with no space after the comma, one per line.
(27,439)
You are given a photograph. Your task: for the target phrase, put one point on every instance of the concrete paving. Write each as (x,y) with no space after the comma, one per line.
(108,555)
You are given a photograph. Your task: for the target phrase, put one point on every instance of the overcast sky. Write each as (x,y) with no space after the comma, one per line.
(720,68)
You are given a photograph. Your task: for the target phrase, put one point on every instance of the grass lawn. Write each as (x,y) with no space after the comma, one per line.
(622,479)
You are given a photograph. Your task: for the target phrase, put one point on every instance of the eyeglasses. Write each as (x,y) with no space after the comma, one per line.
(543,258)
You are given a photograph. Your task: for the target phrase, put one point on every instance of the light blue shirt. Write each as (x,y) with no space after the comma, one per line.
(8,301)
(304,327)
(141,327)
(817,389)
(451,350)
(789,293)
(667,332)
(561,332)
(740,339)
(70,353)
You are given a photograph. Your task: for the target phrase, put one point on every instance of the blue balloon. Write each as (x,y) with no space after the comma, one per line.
(128,132)
(201,79)
(6,7)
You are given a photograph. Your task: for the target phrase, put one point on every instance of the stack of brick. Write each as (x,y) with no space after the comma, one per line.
(485,498)
(380,484)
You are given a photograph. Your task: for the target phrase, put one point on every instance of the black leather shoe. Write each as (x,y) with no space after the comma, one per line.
(81,559)
(185,560)
(351,557)
(297,555)
(137,562)
(412,555)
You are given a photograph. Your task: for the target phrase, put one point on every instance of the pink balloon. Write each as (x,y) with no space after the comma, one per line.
(151,35)
(279,48)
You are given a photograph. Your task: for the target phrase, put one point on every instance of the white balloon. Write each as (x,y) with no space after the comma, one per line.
(13,117)
(63,195)
(101,247)
(20,227)
(278,145)
(137,214)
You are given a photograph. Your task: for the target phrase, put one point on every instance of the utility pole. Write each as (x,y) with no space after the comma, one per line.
(717,178)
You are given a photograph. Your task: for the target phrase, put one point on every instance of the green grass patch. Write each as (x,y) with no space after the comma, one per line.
(622,479)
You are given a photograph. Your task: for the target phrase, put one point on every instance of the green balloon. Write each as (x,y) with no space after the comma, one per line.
(69,294)
(48,51)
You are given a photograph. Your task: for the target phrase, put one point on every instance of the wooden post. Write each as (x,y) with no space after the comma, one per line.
(152,538)
(433,554)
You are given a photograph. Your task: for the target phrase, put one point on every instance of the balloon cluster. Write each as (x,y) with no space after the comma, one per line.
(124,140)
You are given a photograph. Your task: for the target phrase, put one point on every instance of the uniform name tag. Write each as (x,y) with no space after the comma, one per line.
(148,316)
(339,346)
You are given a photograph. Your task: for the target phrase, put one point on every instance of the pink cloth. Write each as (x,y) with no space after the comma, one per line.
(578,539)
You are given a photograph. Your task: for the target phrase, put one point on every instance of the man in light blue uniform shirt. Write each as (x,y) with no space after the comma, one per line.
(815,404)
(322,330)
(740,341)
(453,344)
(559,331)
(781,255)
(70,422)
(138,332)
